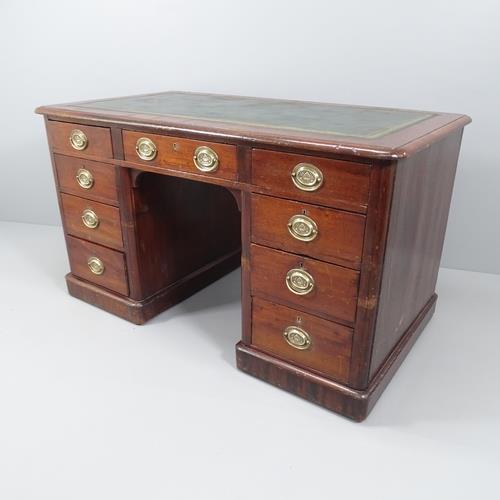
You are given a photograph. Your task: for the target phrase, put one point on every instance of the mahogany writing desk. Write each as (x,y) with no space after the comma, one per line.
(336,213)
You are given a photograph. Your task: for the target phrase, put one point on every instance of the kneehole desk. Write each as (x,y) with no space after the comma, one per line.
(336,214)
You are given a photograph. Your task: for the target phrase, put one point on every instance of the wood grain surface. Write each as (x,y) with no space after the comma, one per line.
(330,350)
(99,140)
(108,232)
(334,295)
(104,188)
(175,152)
(340,234)
(115,273)
(345,183)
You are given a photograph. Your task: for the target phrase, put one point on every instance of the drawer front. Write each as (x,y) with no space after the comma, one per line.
(309,285)
(113,275)
(90,179)
(219,160)
(300,338)
(80,140)
(92,221)
(338,237)
(321,181)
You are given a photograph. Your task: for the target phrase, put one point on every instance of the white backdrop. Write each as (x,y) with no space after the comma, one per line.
(439,55)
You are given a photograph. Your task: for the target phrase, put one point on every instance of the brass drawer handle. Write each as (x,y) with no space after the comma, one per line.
(90,219)
(206,159)
(297,337)
(299,282)
(302,228)
(96,265)
(307,177)
(84,178)
(146,149)
(78,140)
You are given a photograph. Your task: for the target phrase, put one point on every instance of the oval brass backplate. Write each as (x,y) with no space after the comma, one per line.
(297,337)
(307,177)
(78,139)
(84,178)
(146,149)
(302,228)
(206,159)
(90,219)
(299,282)
(96,265)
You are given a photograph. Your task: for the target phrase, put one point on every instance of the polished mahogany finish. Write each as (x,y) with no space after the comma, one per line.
(179,153)
(180,226)
(334,294)
(98,140)
(92,221)
(336,213)
(418,217)
(339,237)
(345,185)
(329,352)
(114,272)
(103,186)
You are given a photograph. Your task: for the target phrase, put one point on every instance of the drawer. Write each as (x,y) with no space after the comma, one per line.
(80,140)
(302,339)
(112,271)
(92,221)
(321,181)
(309,285)
(324,233)
(173,152)
(90,179)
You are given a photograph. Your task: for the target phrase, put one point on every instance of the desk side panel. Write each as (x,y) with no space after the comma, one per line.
(419,214)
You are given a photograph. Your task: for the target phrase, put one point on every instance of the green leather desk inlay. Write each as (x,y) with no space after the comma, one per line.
(334,119)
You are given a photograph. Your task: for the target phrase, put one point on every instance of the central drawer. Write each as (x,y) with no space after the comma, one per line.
(187,155)
(310,285)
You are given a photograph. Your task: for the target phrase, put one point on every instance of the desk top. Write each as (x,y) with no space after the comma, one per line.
(365,131)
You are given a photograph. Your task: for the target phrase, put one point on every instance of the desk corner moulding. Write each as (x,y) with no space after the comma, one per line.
(335,213)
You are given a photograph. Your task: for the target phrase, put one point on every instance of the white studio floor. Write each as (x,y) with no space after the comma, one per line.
(92,407)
